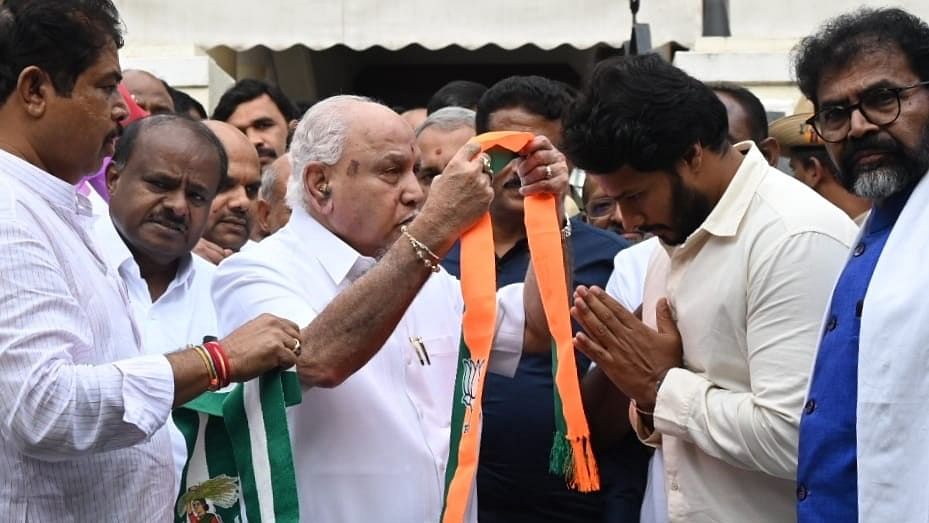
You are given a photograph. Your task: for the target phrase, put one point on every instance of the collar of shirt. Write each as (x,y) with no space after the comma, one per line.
(723,221)
(55,191)
(118,256)
(342,262)
(726,216)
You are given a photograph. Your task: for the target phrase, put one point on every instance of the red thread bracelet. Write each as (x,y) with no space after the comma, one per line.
(220,360)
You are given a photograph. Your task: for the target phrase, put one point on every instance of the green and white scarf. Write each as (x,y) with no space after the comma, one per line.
(239,452)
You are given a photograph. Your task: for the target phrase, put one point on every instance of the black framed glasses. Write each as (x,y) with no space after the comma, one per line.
(880,106)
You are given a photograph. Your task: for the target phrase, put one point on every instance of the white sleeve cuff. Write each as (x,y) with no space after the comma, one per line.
(675,401)
(148,391)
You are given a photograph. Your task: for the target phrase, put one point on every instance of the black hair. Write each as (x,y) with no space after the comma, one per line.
(183,102)
(757,117)
(534,94)
(127,142)
(249,89)
(643,112)
(805,154)
(843,38)
(62,37)
(458,93)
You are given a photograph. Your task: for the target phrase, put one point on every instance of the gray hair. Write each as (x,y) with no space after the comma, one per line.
(319,137)
(448,119)
(269,177)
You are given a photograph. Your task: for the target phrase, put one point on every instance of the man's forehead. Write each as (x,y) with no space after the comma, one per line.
(256,109)
(870,67)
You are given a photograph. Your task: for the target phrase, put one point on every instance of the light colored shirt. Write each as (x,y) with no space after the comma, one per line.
(375,447)
(748,288)
(183,315)
(627,282)
(82,411)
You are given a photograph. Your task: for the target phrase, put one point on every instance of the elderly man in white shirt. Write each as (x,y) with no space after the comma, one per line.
(82,409)
(751,256)
(382,330)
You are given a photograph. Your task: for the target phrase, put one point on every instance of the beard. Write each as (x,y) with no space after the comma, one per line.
(691,209)
(901,168)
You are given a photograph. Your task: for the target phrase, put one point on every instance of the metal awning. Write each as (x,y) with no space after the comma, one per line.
(433,24)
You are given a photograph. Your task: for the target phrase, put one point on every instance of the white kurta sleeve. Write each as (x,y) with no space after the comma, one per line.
(51,407)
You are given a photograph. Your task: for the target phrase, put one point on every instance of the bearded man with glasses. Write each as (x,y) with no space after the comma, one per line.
(864,434)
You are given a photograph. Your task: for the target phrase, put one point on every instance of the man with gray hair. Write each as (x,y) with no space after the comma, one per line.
(439,137)
(271,211)
(358,266)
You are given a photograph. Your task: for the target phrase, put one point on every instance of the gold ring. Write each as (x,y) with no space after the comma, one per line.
(485,161)
(296,348)
(548,172)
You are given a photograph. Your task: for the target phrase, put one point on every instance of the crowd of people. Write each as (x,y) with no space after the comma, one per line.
(747,338)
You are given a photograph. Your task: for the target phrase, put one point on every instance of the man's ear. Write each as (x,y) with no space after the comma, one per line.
(33,88)
(693,158)
(112,177)
(316,185)
(771,150)
(816,171)
(262,213)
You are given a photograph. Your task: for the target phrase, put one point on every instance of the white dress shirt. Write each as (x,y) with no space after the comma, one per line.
(748,288)
(183,315)
(82,410)
(375,447)
(627,282)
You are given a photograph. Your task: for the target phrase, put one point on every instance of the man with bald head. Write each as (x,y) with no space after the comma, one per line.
(233,211)
(149,91)
(272,212)
(357,265)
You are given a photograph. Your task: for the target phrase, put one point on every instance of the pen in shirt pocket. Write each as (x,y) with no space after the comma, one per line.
(420,348)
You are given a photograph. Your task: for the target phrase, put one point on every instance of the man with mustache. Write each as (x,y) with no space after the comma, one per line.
(749,257)
(864,434)
(165,173)
(262,112)
(513,483)
(82,407)
(233,210)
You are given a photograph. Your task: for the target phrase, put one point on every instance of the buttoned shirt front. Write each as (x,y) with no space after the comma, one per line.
(748,289)
(81,409)
(182,315)
(375,447)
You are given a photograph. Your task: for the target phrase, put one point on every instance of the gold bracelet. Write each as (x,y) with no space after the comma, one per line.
(210,369)
(422,251)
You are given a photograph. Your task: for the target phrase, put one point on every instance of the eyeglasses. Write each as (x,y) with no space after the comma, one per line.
(600,207)
(880,106)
